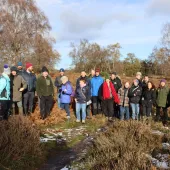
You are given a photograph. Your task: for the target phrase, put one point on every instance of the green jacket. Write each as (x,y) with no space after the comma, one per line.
(44,86)
(162,94)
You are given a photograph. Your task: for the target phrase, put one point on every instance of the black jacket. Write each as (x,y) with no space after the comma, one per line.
(149,97)
(134,94)
(117,83)
(30,78)
(83,95)
(88,83)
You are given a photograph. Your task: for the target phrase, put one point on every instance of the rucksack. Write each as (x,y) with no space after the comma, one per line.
(3,94)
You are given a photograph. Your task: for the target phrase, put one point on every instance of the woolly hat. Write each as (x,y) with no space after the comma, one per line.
(64,79)
(19,63)
(28,65)
(6,69)
(61,70)
(107,76)
(137,81)
(138,74)
(44,69)
(163,80)
(97,70)
(13,68)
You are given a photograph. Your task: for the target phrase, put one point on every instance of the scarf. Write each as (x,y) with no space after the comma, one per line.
(106,92)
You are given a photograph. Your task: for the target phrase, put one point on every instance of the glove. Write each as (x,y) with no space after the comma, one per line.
(63,92)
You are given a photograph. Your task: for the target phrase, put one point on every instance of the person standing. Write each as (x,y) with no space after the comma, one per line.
(45,91)
(145,82)
(29,93)
(124,101)
(139,78)
(4,95)
(148,100)
(161,101)
(18,85)
(134,95)
(82,96)
(88,84)
(58,85)
(108,96)
(20,68)
(117,84)
(96,83)
(65,95)
(6,73)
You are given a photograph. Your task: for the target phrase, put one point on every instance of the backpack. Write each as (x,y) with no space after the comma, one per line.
(3,94)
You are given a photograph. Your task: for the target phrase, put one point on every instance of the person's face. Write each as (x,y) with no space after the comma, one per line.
(61,73)
(149,85)
(135,83)
(92,72)
(138,77)
(162,84)
(83,74)
(14,73)
(127,85)
(146,79)
(19,67)
(97,73)
(82,83)
(107,80)
(113,76)
(45,74)
(30,69)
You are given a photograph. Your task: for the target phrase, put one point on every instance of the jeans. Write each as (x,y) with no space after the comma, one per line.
(28,101)
(81,106)
(135,111)
(108,107)
(124,111)
(66,107)
(3,109)
(96,103)
(46,103)
(58,100)
(147,110)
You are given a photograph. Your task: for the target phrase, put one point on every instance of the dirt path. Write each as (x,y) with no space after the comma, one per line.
(65,157)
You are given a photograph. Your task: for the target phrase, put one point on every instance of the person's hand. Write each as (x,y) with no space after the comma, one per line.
(63,92)
(21,89)
(134,94)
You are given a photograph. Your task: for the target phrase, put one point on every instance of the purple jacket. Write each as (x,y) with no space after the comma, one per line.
(65,96)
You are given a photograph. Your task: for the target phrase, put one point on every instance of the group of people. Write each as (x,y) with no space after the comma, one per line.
(107,95)
(92,93)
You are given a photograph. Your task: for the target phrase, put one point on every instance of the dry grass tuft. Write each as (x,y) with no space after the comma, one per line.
(123,147)
(19,144)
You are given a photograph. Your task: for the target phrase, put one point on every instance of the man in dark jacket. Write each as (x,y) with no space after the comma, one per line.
(117,85)
(45,91)
(134,95)
(58,85)
(20,69)
(29,93)
(145,83)
(88,84)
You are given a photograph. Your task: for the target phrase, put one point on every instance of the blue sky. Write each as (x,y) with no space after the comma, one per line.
(135,24)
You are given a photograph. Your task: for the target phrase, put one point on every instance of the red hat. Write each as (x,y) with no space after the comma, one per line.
(28,65)
(97,70)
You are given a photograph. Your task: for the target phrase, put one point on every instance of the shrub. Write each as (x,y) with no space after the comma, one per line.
(19,144)
(123,147)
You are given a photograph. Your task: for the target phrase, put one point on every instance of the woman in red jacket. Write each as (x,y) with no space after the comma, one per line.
(108,96)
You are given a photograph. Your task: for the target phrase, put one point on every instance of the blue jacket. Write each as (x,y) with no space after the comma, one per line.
(65,96)
(4,87)
(96,82)
(83,95)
